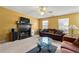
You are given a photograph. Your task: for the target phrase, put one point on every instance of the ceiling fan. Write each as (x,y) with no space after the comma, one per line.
(43,10)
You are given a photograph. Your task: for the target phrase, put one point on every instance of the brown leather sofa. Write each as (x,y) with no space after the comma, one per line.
(52,33)
(70,46)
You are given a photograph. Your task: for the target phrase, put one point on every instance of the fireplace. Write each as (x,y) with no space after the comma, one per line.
(23,28)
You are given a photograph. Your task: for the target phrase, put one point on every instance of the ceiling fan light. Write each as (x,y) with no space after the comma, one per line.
(44,8)
(42,13)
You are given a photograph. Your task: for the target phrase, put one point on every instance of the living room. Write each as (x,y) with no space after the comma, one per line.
(56,23)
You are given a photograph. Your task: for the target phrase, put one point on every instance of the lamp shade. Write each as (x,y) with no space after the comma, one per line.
(73,27)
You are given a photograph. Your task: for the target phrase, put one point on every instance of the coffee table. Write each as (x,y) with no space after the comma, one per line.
(44,44)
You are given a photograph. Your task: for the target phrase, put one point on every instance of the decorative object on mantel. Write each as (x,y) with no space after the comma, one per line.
(72,28)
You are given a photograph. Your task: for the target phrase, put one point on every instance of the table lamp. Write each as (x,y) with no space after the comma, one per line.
(72,28)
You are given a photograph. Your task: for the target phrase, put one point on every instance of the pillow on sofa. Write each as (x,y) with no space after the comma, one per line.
(60,32)
(51,32)
(76,42)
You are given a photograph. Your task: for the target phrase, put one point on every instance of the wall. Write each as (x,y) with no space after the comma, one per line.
(53,21)
(73,20)
(8,20)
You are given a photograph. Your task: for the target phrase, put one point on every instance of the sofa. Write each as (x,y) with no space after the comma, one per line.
(52,33)
(70,46)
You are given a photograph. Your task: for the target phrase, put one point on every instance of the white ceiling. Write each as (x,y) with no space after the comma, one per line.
(52,10)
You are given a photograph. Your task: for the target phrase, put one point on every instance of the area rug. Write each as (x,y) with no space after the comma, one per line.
(36,49)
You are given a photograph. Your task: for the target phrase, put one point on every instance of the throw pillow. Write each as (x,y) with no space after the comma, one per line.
(59,32)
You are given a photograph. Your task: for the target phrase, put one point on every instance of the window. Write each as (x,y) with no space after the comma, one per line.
(45,24)
(63,24)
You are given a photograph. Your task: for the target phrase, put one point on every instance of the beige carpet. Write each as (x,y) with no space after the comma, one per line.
(24,45)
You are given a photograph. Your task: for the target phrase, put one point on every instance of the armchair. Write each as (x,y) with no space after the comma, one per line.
(70,45)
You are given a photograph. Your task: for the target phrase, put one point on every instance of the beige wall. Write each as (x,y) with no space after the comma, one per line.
(8,20)
(73,20)
(53,21)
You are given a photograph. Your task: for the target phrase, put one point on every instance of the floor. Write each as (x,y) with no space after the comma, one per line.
(58,44)
(24,45)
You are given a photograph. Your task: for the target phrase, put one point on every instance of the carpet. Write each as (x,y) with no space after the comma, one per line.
(36,49)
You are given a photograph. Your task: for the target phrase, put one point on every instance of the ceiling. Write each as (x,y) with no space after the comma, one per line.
(52,10)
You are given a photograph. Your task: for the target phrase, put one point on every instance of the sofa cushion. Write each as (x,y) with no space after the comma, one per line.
(51,32)
(76,42)
(59,32)
(64,50)
(70,46)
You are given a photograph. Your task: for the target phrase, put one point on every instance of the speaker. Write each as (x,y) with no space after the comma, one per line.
(14,34)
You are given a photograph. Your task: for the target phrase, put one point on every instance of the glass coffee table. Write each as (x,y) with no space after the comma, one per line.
(45,44)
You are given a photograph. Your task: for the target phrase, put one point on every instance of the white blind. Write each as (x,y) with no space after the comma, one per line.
(64,24)
(45,24)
